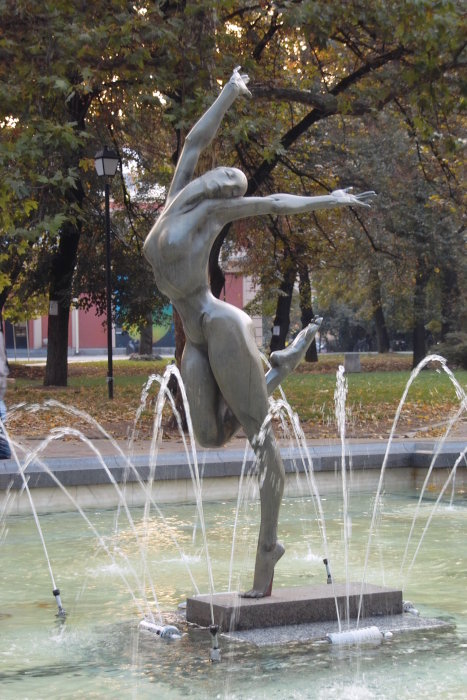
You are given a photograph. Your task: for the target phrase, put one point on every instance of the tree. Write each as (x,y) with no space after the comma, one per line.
(75,66)
(136,299)
(347,60)
(140,75)
(412,233)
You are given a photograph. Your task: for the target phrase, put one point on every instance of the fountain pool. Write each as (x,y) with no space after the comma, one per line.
(100,651)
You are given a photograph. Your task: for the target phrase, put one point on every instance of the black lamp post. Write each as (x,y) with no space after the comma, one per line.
(106,162)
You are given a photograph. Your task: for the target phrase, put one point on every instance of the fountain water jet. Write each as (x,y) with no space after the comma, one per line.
(228,655)
(55,591)
(462,398)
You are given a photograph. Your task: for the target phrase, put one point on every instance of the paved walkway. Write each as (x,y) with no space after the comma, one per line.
(75,448)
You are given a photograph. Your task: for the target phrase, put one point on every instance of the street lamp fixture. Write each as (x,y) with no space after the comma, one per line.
(106,162)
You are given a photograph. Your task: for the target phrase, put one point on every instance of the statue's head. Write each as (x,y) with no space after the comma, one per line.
(224,183)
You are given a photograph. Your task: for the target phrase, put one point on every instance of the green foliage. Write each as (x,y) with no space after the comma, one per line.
(342,94)
(454,349)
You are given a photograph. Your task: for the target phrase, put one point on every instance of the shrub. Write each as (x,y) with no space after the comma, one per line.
(454,349)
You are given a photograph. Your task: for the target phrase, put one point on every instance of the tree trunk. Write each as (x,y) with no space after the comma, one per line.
(216,274)
(61,277)
(145,341)
(450,297)
(284,300)
(307,315)
(64,260)
(382,336)
(419,304)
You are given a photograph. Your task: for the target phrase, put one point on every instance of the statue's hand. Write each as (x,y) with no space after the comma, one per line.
(240,81)
(362,199)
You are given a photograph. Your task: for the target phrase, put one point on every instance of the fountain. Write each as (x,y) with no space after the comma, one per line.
(101,569)
(156,530)
(318,604)
(101,648)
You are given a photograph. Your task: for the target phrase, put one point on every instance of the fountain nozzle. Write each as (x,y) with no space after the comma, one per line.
(410,608)
(58,600)
(215,652)
(164,631)
(328,570)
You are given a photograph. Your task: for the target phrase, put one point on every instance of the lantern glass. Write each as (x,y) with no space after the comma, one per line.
(106,162)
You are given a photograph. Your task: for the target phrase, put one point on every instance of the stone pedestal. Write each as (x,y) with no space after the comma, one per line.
(352,362)
(293,606)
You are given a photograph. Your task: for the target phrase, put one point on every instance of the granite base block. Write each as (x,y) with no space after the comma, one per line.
(293,606)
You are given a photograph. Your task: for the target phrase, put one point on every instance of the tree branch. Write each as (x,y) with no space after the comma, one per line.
(324,102)
(375,247)
(261,45)
(316,115)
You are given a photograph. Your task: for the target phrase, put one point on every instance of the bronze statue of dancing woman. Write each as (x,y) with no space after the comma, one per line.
(221,365)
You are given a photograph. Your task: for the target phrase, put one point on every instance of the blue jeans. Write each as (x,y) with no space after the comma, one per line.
(5,452)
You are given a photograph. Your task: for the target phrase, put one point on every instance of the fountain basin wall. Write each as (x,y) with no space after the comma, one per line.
(86,481)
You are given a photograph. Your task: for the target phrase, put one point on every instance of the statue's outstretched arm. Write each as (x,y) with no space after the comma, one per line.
(242,207)
(205,130)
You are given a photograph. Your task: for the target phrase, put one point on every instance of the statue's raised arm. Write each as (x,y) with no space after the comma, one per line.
(205,129)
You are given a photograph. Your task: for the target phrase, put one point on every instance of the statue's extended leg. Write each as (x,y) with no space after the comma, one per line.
(284,361)
(213,421)
(238,371)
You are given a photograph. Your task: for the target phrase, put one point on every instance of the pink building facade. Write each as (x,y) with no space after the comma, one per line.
(87,331)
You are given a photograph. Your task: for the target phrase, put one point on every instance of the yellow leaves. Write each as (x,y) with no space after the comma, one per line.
(86,164)
(4,280)
(310,392)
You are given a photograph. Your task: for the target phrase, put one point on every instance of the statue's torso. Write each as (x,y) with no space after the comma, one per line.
(176,248)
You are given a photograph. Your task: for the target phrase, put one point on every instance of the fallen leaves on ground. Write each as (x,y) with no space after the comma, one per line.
(35,410)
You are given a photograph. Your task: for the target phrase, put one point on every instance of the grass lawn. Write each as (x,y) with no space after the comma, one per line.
(372,400)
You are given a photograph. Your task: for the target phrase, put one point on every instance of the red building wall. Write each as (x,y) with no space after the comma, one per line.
(233,290)
(92,334)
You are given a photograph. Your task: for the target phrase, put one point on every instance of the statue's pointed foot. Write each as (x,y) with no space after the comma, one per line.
(264,571)
(290,357)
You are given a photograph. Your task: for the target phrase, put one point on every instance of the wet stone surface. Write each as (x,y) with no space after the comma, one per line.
(317,631)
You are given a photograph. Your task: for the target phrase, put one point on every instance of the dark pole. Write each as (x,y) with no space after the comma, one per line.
(110,379)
